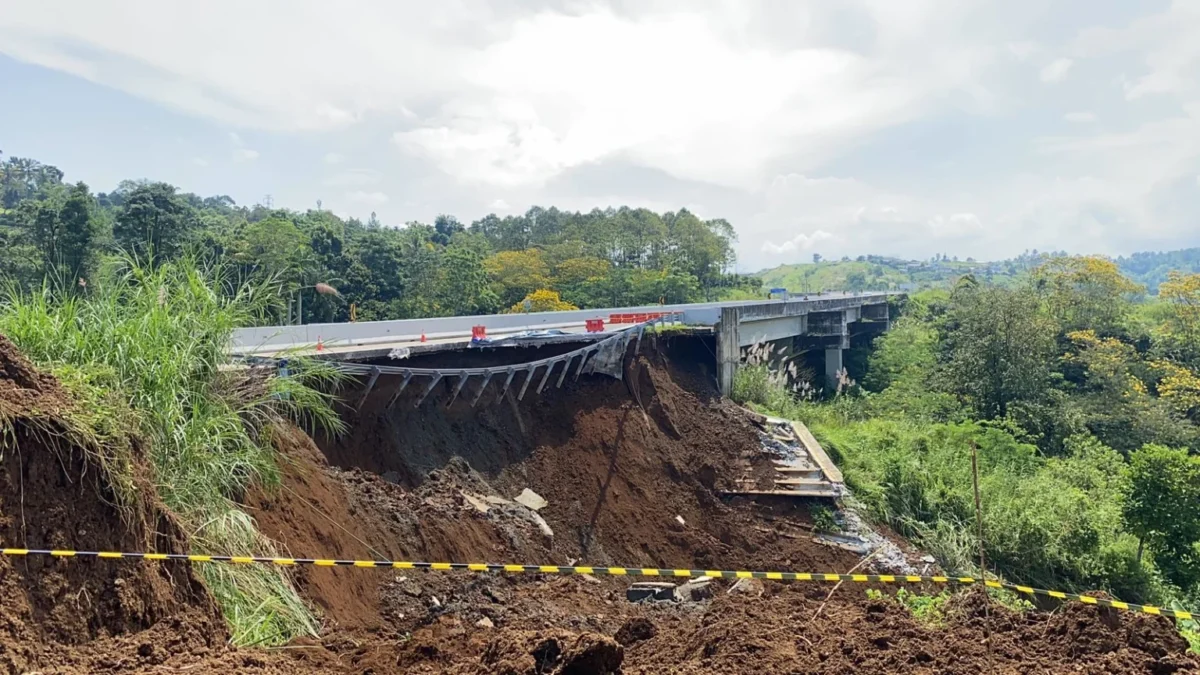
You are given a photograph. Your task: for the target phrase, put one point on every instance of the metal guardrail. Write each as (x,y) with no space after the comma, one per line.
(586,355)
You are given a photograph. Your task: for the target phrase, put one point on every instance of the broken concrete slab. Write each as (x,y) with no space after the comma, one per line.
(748,587)
(697,589)
(531,499)
(650,590)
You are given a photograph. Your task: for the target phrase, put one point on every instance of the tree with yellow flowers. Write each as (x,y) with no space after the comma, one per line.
(542,300)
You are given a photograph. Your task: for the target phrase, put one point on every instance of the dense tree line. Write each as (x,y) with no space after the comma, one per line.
(60,233)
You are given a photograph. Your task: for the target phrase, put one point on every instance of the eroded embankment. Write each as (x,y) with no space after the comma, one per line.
(54,495)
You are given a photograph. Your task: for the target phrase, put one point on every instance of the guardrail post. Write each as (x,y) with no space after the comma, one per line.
(370,385)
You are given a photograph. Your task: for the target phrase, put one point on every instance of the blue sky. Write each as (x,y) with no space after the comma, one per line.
(970,127)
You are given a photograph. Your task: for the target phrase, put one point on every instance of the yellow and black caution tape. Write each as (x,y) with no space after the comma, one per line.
(611,571)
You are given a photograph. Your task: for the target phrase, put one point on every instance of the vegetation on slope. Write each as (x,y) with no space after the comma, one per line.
(1084,412)
(144,347)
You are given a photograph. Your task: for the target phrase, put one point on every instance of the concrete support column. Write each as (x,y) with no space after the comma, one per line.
(729,350)
(833,364)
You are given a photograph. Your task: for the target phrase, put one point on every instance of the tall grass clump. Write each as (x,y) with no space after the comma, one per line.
(154,339)
(771,382)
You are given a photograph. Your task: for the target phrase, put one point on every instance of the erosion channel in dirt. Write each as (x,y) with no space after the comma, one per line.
(630,471)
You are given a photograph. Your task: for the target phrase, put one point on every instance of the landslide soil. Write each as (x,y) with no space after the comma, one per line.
(631,471)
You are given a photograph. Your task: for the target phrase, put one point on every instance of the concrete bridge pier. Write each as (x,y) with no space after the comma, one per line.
(823,323)
(729,348)
(833,366)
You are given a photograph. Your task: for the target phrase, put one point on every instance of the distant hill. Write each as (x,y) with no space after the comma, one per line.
(1150,268)
(882,273)
(879,273)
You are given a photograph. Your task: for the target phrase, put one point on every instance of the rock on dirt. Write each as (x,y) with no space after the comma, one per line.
(553,653)
(634,631)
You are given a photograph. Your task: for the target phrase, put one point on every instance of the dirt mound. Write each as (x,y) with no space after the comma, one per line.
(779,634)
(559,653)
(54,497)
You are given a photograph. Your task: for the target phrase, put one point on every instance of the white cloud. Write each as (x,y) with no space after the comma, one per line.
(955,225)
(789,119)
(514,95)
(798,243)
(1056,71)
(1163,42)
(367,198)
(500,205)
(353,178)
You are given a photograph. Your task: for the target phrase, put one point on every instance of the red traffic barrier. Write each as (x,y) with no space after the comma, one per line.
(595,325)
(478,332)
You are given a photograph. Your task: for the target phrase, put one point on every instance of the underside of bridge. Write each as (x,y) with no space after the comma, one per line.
(798,332)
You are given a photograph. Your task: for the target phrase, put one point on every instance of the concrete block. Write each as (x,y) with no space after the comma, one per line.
(650,590)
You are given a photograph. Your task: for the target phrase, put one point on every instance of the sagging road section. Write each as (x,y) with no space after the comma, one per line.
(825,321)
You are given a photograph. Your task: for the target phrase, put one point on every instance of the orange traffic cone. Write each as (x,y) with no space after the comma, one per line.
(320,344)
(422,337)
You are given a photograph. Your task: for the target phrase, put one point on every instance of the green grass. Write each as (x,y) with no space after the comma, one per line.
(929,610)
(823,519)
(144,352)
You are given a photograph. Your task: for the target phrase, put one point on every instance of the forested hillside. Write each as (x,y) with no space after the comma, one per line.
(882,273)
(1084,406)
(62,233)
(1152,268)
